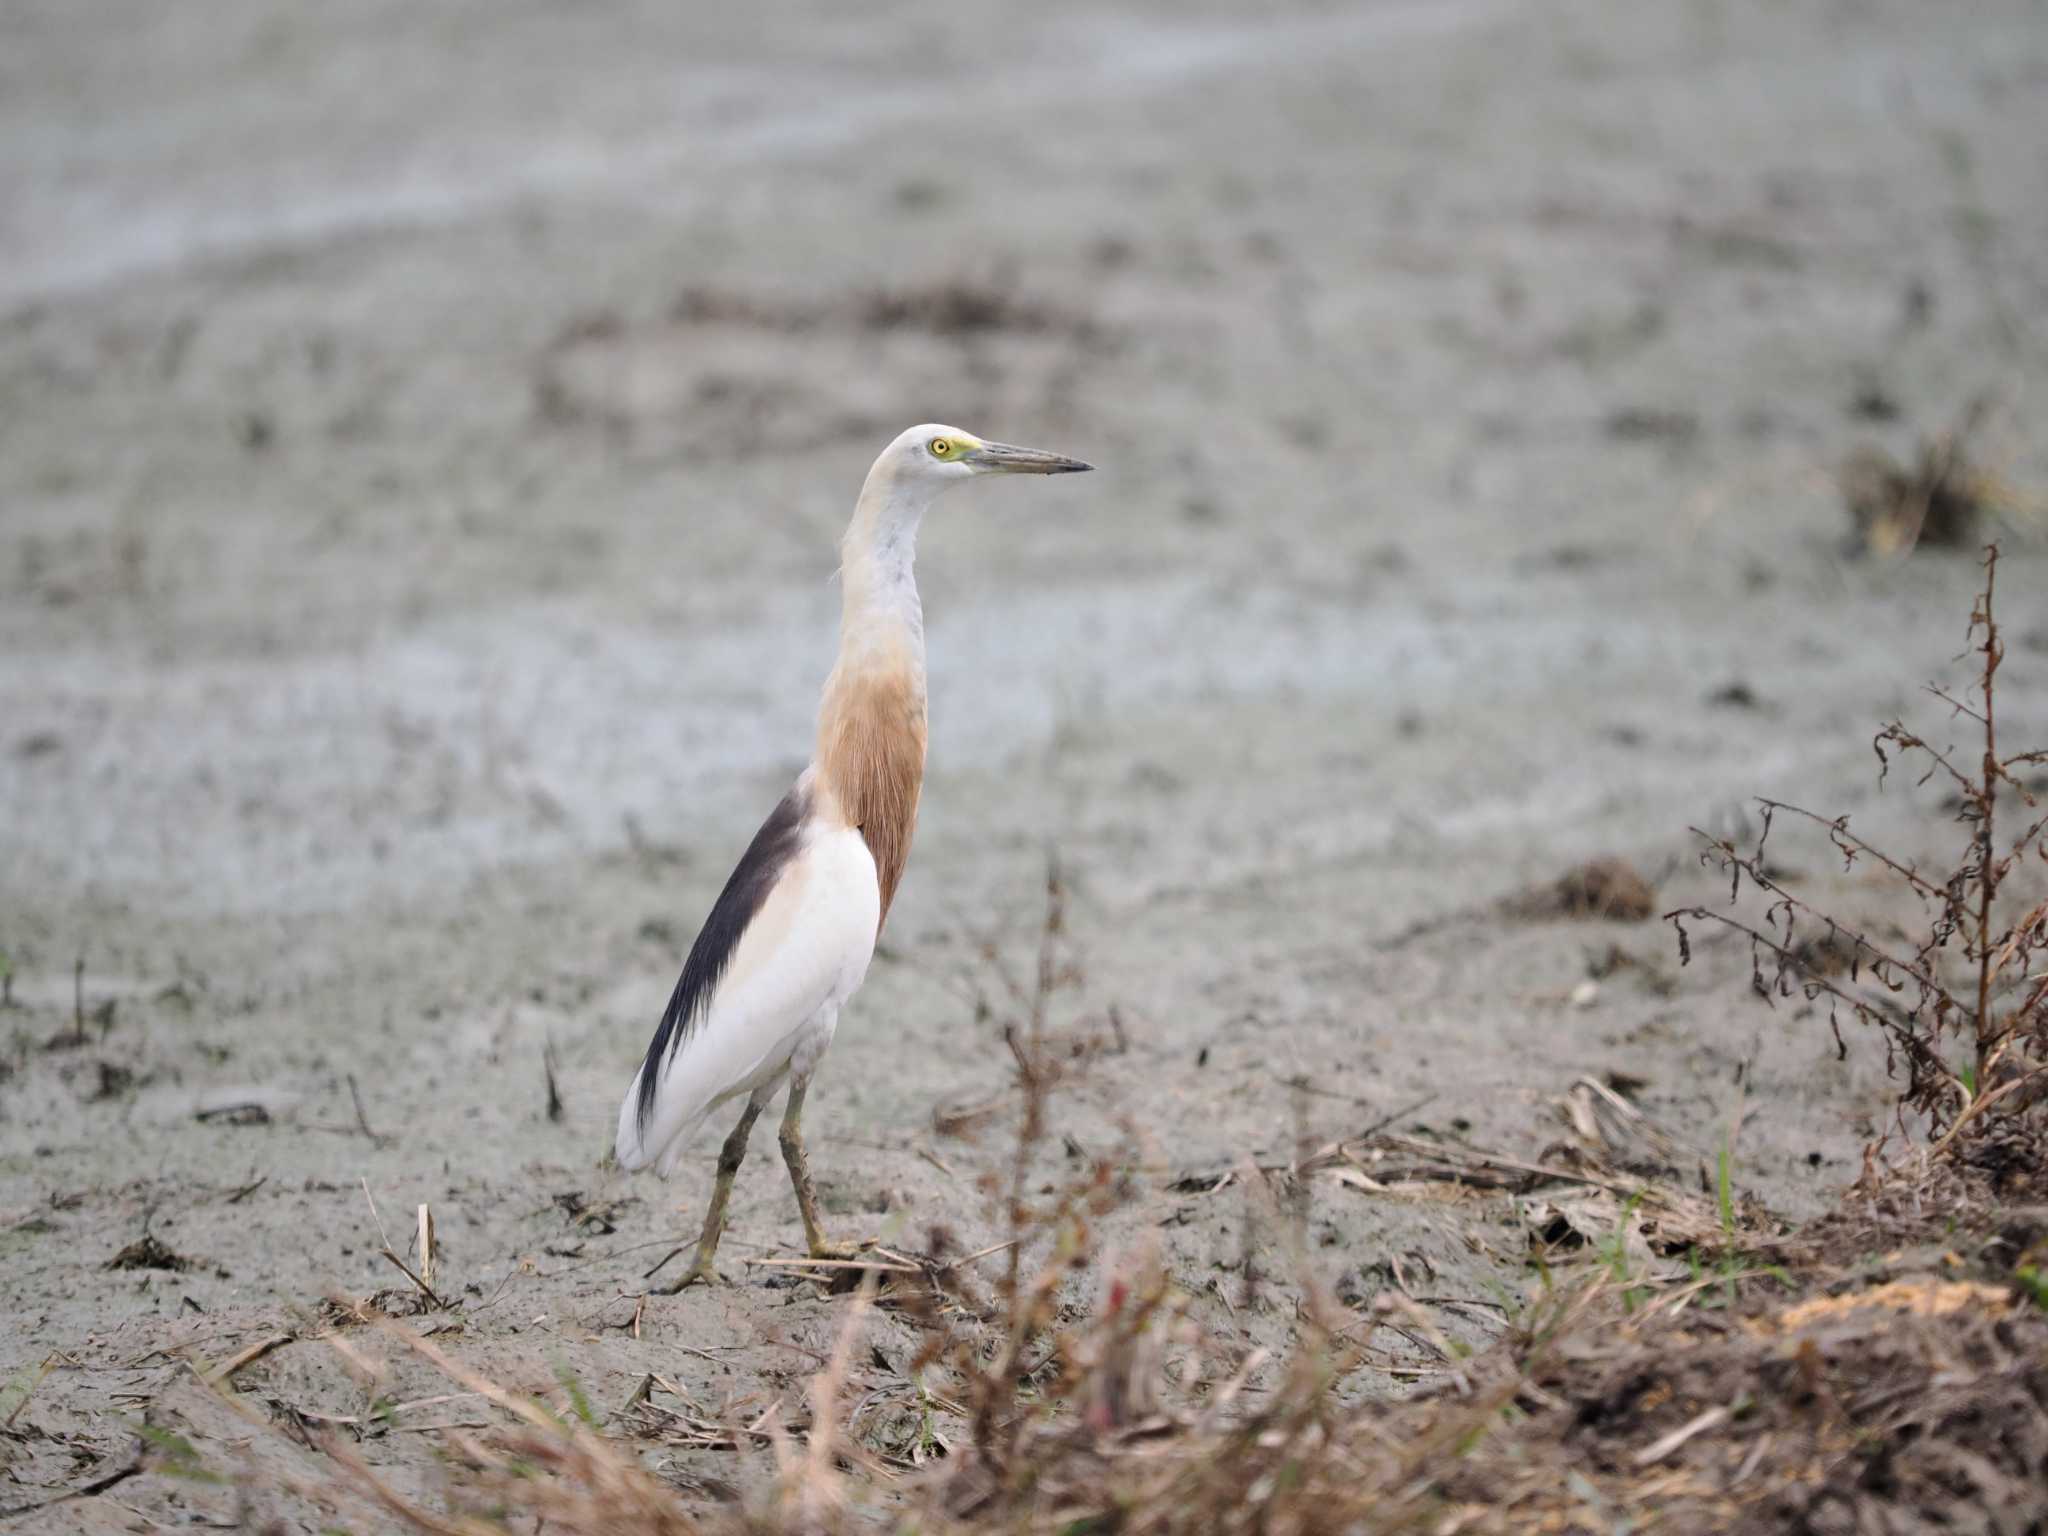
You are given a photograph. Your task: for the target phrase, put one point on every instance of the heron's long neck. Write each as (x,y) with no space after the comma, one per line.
(879,607)
(871,724)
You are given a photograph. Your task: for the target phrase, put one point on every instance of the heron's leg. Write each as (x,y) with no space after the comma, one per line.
(730,1156)
(792,1138)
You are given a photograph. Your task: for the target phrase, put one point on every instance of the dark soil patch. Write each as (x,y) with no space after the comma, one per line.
(954,308)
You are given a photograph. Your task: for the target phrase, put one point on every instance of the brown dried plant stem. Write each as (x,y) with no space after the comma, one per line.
(2007,1043)
(1987,860)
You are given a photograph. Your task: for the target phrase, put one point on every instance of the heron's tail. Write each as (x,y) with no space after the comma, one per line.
(660,1142)
(632,1147)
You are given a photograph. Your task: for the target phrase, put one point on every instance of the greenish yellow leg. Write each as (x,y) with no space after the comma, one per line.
(730,1156)
(792,1139)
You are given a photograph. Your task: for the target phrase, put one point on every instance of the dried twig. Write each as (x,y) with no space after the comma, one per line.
(362,1121)
(547,1066)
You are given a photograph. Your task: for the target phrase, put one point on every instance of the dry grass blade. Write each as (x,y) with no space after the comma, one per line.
(1650,1455)
(390,1254)
(473,1380)
(869,1265)
(227,1368)
(432,1297)
(28,1390)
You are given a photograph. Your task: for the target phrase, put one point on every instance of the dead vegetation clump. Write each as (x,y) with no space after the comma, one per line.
(1941,501)
(961,308)
(1604,888)
(148,1252)
(719,358)
(1917,1404)
(1962,1005)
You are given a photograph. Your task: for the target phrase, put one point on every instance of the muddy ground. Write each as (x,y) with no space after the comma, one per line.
(423,434)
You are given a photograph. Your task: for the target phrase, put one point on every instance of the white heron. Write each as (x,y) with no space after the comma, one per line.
(789,939)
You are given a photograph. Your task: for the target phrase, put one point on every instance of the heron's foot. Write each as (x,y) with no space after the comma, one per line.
(825,1248)
(701,1272)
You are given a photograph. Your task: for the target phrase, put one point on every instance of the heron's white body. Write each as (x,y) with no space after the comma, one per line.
(789,940)
(778,1003)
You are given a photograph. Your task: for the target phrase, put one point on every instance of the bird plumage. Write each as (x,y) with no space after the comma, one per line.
(871,747)
(807,905)
(790,936)
(845,829)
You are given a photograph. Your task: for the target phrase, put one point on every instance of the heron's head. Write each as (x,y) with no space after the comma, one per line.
(923,462)
(931,456)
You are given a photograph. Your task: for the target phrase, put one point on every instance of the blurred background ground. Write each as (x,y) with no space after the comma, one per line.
(423,434)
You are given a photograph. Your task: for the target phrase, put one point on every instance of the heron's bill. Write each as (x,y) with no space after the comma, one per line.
(1002,458)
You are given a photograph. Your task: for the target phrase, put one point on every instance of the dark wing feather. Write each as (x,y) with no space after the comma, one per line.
(758,870)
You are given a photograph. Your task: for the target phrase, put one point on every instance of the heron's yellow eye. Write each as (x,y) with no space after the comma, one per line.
(941,448)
